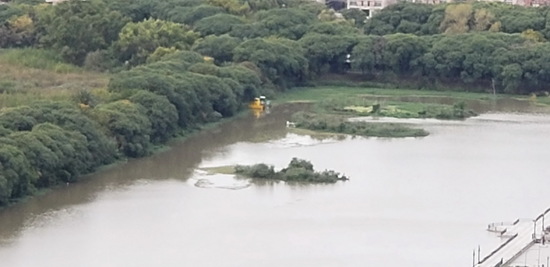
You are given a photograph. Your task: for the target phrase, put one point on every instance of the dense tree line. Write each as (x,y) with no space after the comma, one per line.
(178,64)
(293,41)
(423,19)
(48,143)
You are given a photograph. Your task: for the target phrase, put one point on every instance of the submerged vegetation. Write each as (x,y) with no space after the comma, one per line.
(340,124)
(332,113)
(298,170)
(359,106)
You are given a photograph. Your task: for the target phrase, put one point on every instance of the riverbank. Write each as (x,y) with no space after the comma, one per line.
(57,138)
(321,96)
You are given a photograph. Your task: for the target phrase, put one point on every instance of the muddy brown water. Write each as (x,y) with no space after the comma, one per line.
(410,202)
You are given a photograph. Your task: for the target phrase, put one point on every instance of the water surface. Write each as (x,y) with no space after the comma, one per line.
(410,202)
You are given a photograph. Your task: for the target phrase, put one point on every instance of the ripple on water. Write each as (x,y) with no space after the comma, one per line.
(297,140)
(202,179)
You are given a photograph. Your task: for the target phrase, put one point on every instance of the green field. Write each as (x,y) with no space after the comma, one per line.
(29,74)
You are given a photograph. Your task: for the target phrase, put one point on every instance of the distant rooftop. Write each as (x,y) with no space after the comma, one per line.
(55,1)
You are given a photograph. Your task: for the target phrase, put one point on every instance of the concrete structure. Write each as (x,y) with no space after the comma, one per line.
(537,255)
(369,6)
(432,2)
(55,2)
(531,3)
(520,238)
(535,3)
(372,6)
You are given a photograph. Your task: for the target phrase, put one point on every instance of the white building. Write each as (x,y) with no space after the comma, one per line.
(54,2)
(369,6)
(433,2)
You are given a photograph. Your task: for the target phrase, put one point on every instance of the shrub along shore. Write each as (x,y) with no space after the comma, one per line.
(116,79)
(50,142)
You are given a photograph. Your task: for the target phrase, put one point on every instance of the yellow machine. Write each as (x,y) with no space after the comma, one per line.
(259,106)
(259,103)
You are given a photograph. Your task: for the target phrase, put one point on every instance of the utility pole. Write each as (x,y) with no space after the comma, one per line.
(542,231)
(539,257)
(478,253)
(534,229)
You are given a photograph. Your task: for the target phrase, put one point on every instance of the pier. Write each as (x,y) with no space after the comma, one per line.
(518,237)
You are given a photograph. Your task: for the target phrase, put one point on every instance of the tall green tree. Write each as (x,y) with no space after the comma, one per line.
(162,114)
(289,23)
(139,40)
(190,15)
(369,55)
(327,52)
(219,47)
(16,174)
(128,124)
(281,60)
(76,28)
(217,24)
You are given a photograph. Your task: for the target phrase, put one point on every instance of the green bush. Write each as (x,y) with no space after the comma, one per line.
(256,171)
(128,124)
(298,170)
(162,114)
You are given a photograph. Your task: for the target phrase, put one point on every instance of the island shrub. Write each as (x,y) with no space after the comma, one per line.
(256,171)
(298,170)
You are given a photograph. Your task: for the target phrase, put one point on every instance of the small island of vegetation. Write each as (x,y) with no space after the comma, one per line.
(340,124)
(298,170)
(332,115)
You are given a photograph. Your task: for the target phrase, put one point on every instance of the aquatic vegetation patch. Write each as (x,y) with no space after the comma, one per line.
(364,106)
(340,124)
(298,170)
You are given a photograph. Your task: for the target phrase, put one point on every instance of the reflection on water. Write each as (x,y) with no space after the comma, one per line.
(410,202)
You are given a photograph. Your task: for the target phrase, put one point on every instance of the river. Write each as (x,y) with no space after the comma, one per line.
(410,202)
